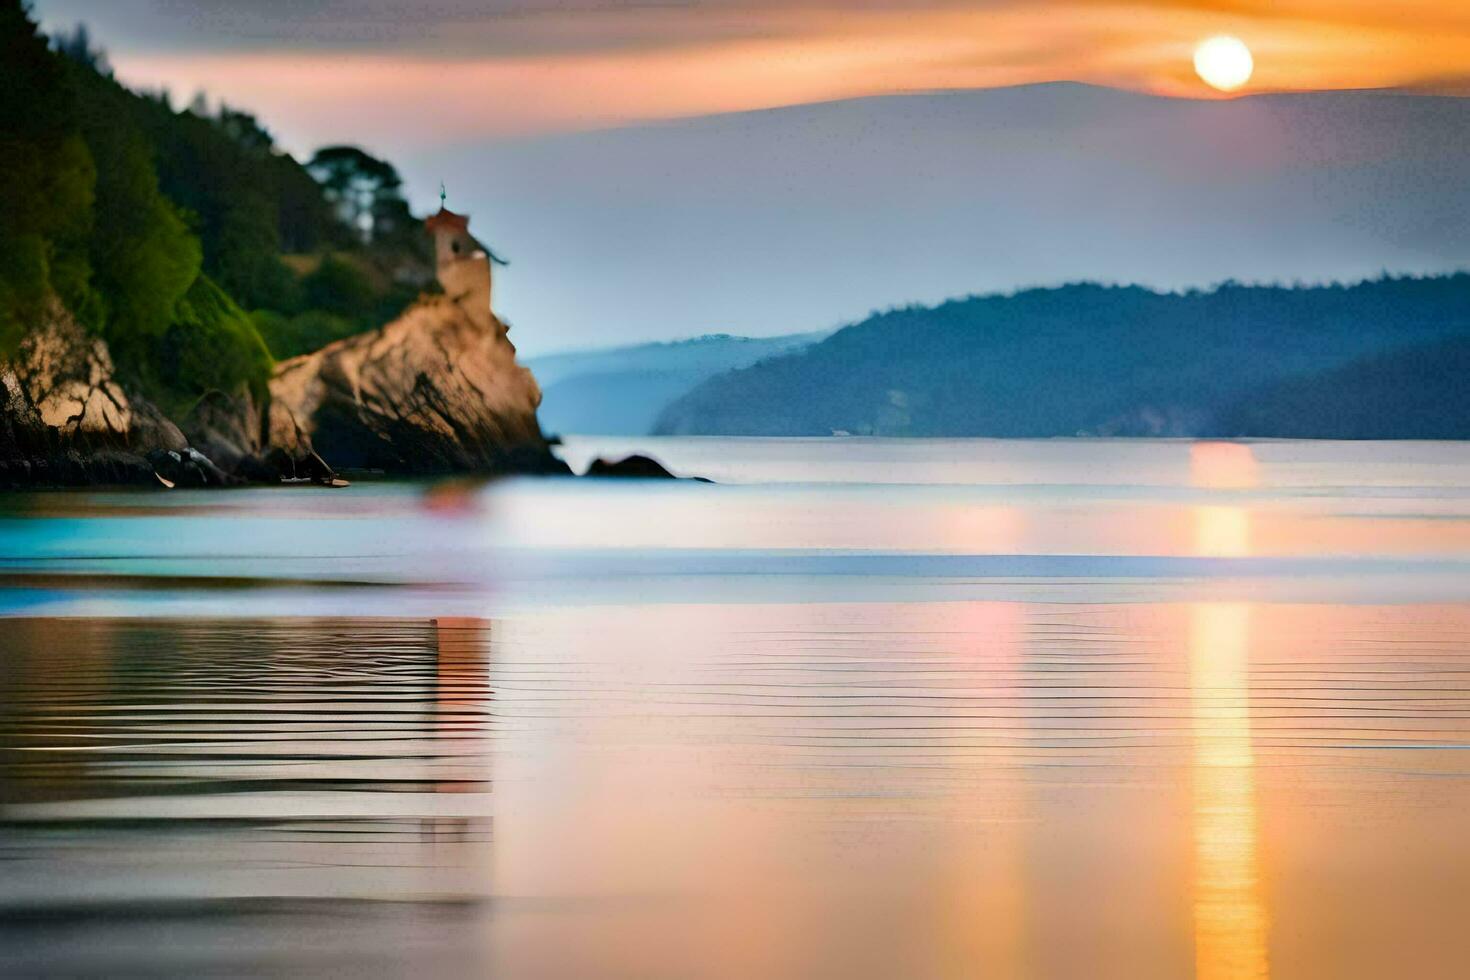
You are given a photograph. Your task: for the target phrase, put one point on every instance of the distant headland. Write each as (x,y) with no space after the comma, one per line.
(1383,359)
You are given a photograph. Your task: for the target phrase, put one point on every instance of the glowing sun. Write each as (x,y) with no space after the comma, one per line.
(1224,63)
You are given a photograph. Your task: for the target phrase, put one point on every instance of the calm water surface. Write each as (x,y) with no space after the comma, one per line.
(863,709)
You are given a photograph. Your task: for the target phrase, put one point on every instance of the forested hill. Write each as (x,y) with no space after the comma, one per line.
(1418,392)
(182,235)
(1097,360)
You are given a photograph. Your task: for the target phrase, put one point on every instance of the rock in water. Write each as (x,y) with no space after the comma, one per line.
(436,391)
(635,467)
(186,468)
(229,429)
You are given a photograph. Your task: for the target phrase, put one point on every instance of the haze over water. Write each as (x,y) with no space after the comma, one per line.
(860,709)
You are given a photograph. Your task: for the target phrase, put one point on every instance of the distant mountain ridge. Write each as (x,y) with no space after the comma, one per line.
(1087,359)
(621,390)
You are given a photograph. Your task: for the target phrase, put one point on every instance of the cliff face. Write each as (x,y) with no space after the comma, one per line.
(437,390)
(65,418)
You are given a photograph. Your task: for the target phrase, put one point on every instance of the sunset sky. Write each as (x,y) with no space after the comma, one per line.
(367,69)
(585,139)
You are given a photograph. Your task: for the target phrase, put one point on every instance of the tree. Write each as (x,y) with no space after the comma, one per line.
(246,130)
(47,178)
(339,287)
(77,45)
(142,251)
(366,191)
(193,217)
(212,345)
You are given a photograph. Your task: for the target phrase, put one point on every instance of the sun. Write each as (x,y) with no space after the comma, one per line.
(1224,63)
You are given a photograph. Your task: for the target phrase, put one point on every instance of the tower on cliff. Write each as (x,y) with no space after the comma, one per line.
(461,263)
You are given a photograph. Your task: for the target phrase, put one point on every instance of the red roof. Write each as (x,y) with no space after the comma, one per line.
(447,219)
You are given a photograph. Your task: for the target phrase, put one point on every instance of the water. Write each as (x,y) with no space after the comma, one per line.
(863,709)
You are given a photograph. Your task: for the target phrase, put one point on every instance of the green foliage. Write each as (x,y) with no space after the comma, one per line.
(46,179)
(71,189)
(302,333)
(76,45)
(155,227)
(211,344)
(246,257)
(337,299)
(249,201)
(143,255)
(22,286)
(339,287)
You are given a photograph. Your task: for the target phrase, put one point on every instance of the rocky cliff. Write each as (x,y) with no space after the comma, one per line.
(437,390)
(66,420)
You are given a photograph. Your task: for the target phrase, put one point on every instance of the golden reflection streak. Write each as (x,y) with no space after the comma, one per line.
(1229,915)
(1221,532)
(1229,911)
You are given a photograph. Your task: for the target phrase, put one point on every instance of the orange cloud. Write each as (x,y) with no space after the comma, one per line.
(767,56)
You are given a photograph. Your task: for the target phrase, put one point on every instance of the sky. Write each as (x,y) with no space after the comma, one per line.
(459,88)
(369,69)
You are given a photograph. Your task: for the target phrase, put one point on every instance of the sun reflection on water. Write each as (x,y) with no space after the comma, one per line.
(1230,921)
(1229,915)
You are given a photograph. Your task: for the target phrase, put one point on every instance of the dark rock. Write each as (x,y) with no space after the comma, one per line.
(530,461)
(634,467)
(151,429)
(119,468)
(228,429)
(306,466)
(189,468)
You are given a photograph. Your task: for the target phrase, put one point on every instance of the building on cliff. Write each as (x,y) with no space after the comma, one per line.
(435,390)
(462,264)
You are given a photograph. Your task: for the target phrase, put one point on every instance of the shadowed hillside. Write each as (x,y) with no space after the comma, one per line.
(1418,393)
(1081,359)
